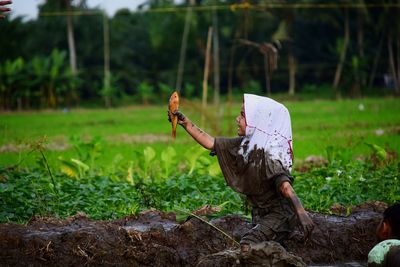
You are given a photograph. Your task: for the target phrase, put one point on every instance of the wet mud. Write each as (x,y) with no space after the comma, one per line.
(155,238)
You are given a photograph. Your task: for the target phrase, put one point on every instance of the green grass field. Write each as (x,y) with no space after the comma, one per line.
(117,162)
(316,125)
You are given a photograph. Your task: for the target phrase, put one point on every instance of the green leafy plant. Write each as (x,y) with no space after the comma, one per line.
(11,86)
(149,155)
(347,182)
(145,91)
(88,150)
(378,152)
(192,157)
(74,167)
(168,159)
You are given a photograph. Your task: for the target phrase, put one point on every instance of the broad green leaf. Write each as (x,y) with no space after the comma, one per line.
(149,155)
(167,159)
(129,176)
(80,164)
(214,169)
(68,168)
(378,151)
(193,155)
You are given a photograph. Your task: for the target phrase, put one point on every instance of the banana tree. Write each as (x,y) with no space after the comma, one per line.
(10,85)
(48,76)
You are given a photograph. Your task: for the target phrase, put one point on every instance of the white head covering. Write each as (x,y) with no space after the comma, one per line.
(268,128)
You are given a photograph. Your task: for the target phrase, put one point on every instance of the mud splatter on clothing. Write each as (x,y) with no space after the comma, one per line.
(385,252)
(258,178)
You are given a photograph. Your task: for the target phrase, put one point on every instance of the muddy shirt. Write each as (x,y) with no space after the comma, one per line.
(259,178)
(385,254)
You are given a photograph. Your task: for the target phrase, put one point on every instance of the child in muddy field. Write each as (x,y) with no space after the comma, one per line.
(387,252)
(257,164)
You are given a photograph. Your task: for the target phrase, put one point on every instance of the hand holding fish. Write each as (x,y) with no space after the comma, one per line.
(173,107)
(182,119)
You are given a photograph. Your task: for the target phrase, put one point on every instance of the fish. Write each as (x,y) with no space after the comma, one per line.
(173,107)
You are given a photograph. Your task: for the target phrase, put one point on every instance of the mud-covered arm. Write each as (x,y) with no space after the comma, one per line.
(198,134)
(307,224)
(4,9)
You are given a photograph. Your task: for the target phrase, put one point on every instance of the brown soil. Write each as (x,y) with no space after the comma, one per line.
(156,239)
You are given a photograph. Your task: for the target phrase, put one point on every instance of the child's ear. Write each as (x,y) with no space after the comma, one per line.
(384,231)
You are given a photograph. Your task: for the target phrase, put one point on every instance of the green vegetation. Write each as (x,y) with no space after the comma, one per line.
(348,182)
(121,161)
(115,162)
(126,131)
(38,191)
(321,48)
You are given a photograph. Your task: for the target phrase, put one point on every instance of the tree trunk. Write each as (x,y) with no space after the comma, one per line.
(376,61)
(230,81)
(267,75)
(360,34)
(205,78)
(182,54)
(71,40)
(398,59)
(292,72)
(216,58)
(342,58)
(107,74)
(216,70)
(359,79)
(392,65)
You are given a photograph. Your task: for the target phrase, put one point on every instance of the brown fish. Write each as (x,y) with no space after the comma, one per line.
(172,107)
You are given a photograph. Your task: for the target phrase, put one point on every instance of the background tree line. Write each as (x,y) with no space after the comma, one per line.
(73,55)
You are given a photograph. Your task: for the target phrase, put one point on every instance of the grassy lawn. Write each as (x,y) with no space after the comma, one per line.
(316,125)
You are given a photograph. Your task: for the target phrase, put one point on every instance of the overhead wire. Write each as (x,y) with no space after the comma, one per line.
(233,7)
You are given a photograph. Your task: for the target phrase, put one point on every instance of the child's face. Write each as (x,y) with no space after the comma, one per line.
(241,122)
(383,231)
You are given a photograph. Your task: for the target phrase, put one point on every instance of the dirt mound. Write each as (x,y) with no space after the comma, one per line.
(156,239)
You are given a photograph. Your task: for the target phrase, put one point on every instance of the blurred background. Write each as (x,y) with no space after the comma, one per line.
(84,89)
(60,54)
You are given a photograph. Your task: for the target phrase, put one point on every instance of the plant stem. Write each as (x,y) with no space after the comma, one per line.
(213,226)
(49,171)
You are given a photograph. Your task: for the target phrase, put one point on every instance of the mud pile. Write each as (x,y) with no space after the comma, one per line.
(156,239)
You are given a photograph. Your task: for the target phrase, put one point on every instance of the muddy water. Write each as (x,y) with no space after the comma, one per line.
(157,239)
(345,264)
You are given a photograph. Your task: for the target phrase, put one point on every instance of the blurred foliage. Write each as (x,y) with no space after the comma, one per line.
(144,51)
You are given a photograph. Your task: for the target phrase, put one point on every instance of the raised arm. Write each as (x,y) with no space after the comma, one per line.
(198,134)
(4,9)
(307,224)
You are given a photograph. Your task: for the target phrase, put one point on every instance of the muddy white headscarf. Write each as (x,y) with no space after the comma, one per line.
(268,128)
